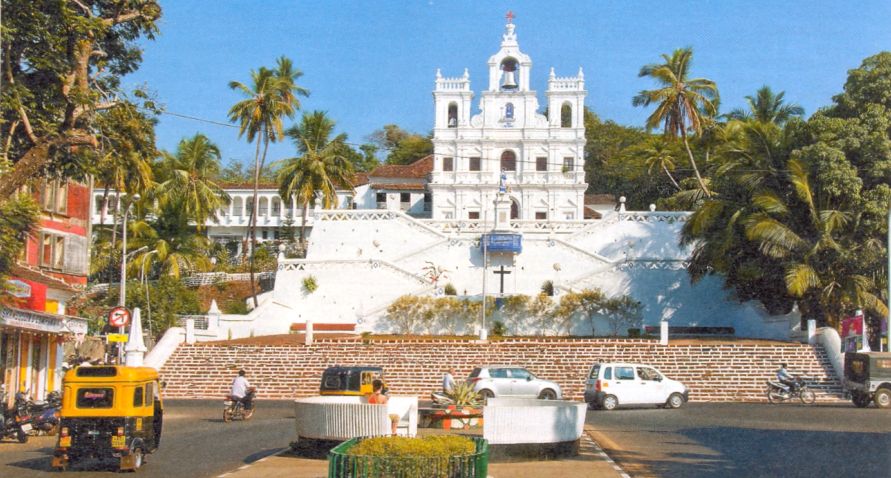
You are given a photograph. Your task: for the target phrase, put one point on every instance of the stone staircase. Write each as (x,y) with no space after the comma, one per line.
(714,370)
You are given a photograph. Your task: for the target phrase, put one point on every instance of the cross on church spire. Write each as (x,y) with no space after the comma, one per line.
(510,16)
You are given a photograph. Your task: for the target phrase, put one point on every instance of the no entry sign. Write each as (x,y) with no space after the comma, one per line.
(119,317)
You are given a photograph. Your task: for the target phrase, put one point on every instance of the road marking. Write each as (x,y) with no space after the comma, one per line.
(244,467)
(609,444)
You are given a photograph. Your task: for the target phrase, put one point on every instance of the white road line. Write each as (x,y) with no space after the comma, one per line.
(606,457)
(244,467)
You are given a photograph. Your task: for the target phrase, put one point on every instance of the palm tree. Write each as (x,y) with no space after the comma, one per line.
(189,186)
(320,168)
(682,103)
(805,238)
(767,107)
(271,96)
(170,245)
(657,153)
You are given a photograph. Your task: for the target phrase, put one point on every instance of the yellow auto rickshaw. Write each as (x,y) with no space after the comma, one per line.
(109,413)
(351,380)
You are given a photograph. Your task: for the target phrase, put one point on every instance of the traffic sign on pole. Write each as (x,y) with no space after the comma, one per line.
(119,317)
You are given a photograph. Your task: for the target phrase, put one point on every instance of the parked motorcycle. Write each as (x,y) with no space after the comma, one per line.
(45,414)
(16,421)
(778,393)
(234,408)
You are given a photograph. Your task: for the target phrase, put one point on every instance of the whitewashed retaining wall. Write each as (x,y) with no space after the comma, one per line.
(519,421)
(340,418)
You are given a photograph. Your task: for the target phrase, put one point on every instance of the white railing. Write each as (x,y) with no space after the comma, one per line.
(668,217)
(469,226)
(567,83)
(517,421)
(340,418)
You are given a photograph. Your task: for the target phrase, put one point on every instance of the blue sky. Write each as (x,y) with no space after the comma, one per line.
(372,63)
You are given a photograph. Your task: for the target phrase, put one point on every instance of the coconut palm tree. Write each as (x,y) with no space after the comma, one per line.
(320,168)
(188,185)
(682,103)
(767,107)
(658,154)
(271,97)
(169,246)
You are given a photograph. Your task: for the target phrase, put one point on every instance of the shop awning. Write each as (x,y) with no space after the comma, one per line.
(42,321)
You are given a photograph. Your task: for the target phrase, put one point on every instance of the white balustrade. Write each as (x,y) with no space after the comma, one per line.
(518,421)
(342,417)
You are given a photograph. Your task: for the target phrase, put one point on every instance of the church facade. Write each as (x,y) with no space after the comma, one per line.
(498,210)
(540,157)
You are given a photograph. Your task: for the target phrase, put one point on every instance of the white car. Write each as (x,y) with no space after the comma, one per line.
(610,385)
(511,381)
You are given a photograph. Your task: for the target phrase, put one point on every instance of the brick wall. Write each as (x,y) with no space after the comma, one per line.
(717,371)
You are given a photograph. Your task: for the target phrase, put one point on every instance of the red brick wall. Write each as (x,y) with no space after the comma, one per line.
(713,371)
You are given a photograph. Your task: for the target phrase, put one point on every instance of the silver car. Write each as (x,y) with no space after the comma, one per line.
(510,381)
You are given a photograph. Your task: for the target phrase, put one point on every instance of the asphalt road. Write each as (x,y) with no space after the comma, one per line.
(747,440)
(195,443)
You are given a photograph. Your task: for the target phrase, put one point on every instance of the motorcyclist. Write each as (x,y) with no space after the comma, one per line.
(240,388)
(786,378)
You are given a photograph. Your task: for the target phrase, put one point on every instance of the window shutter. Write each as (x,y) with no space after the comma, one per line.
(76,255)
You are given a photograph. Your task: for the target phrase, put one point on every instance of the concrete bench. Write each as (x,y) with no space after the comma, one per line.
(526,421)
(340,418)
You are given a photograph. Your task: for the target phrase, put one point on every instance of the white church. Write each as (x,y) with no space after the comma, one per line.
(500,207)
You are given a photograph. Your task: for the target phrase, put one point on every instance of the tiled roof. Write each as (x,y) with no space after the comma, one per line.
(399,186)
(416,170)
(600,199)
(249,185)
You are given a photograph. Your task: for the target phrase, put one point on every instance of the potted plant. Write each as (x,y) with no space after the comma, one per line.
(465,411)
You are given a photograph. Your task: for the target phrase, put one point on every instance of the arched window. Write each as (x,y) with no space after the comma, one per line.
(566,115)
(509,111)
(453,115)
(508,161)
(237,206)
(514,209)
(276,207)
(264,206)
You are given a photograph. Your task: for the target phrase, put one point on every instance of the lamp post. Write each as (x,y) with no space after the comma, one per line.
(484,334)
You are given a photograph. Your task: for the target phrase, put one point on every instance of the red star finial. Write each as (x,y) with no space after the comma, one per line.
(510,16)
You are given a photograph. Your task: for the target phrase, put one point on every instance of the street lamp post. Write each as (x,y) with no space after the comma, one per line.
(484,334)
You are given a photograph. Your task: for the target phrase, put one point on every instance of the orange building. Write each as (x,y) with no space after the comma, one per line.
(53,267)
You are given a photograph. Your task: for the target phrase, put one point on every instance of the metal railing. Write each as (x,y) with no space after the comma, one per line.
(201,321)
(342,465)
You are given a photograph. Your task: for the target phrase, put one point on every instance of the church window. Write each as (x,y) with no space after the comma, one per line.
(568,164)
(509,111)
(448,164)
(237,206)
(404,197)
(541,215)
(514,209)
(566,116)
(541,163)
(453,115)
(508,161)
(473,215)
(474,164)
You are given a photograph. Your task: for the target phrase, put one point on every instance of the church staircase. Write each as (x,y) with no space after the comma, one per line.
(714,370)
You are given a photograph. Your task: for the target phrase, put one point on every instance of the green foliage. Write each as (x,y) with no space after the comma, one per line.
(422,314)
(799,212)
(449,289)
(403,147)
(187,181)
(498,329)
(18,217)
(547,288)
(442,446)
(167,299)
(309,284)
(463,395)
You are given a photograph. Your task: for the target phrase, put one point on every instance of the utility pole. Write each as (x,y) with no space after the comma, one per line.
(484,334)
(122,300)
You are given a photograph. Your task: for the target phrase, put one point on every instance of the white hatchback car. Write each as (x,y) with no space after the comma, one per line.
(612,384)
(511,381)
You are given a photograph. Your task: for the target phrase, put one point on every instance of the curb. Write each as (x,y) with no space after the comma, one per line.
(248,465)
(606,457)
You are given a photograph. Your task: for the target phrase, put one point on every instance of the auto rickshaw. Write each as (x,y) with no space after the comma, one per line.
(109,413)
(351,380)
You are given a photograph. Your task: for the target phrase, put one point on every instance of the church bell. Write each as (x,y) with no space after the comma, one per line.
(508,81)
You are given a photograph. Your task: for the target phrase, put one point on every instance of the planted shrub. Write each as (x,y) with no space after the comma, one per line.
(499,329)
(464,396)
(548,288)
(310,284)
(449,289)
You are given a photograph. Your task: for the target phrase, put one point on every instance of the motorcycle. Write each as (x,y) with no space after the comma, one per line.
(16,421)
(778,393)
(45,414)
(234,408)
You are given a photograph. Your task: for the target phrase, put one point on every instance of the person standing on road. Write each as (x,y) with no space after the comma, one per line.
(448,381)
(786,378)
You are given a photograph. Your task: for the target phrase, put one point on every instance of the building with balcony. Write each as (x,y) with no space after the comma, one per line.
(53,267)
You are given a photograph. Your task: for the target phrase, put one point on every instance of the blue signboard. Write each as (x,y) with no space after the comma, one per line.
(503,243)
